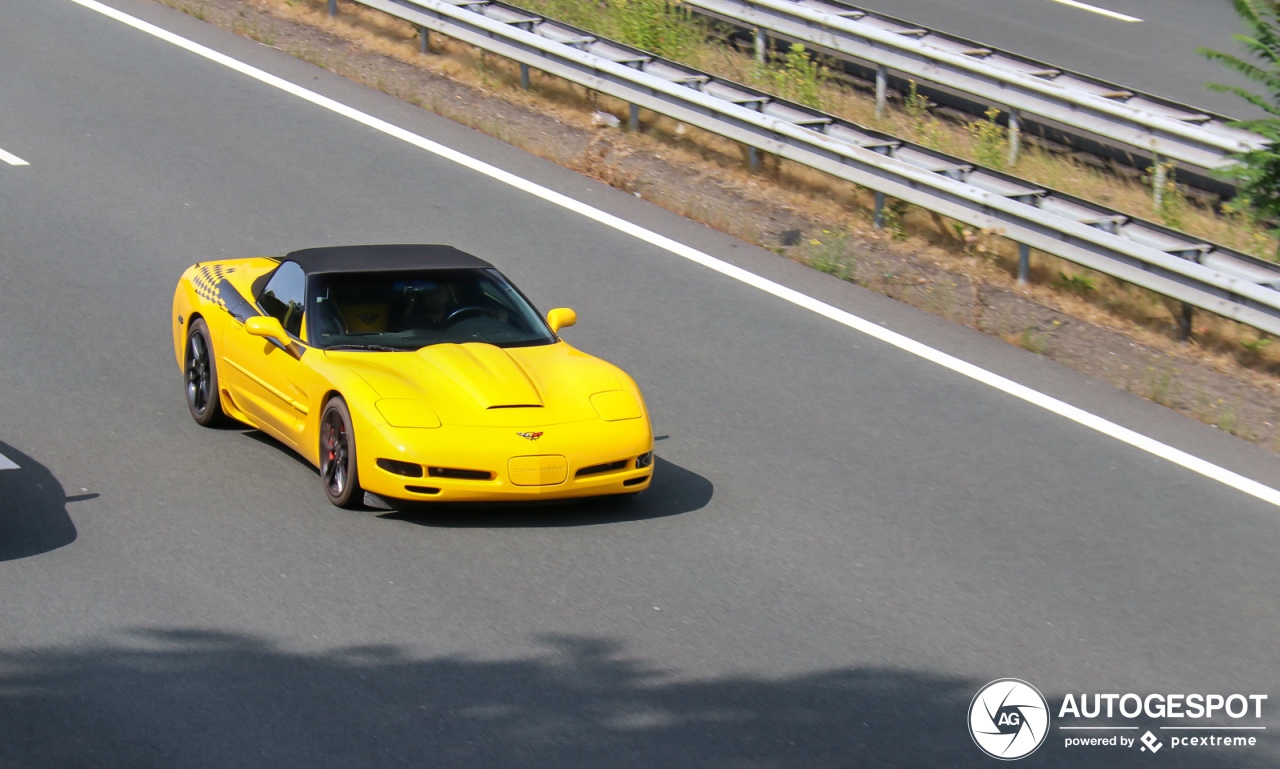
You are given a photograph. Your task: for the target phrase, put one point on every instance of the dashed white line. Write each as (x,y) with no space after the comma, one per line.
(6,463)
(12,159)
(870,328)
(1097,10)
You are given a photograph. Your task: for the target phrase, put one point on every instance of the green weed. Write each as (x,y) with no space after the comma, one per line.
(1035,340)
(795,76)
(1229,417)
(990,140)
(658,26)
(1167,201)
(895,214)
(915,105)
(1076,284)
(1163,386)
(1256,346)
(830,254)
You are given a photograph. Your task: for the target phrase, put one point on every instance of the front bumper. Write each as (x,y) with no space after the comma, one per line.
(492,464)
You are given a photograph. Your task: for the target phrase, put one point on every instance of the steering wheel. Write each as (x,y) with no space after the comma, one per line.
(464,311)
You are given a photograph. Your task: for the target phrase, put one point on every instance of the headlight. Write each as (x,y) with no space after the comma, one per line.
(404,412)
(616,405)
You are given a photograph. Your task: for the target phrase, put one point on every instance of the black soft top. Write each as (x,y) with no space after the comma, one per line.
(384,258)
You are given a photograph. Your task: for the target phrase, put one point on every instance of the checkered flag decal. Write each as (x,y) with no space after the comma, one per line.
(206,282)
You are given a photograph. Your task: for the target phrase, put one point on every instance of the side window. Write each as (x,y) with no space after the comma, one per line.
(282,297)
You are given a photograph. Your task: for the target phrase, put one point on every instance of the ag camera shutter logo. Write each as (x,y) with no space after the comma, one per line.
(1008,719)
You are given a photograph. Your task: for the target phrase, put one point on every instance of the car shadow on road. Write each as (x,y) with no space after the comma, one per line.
(674,491)
(266,440)
(33,509)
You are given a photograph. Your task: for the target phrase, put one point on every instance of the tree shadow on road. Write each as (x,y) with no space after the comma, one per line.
(33,509)
(197,698)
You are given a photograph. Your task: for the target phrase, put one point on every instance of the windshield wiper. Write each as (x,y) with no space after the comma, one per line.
(373,347)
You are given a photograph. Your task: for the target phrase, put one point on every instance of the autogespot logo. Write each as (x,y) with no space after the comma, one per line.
(1008,719)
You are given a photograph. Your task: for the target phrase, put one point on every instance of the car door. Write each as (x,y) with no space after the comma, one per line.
(271,375)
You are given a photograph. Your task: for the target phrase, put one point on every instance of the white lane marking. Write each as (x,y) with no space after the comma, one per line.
(12,159)
(1096,9)
(6,463)
(1080,416)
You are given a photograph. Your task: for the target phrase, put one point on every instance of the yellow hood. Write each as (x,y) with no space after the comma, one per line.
(483,385)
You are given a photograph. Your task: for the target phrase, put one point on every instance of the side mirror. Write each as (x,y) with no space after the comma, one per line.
(561,317)
(265,326)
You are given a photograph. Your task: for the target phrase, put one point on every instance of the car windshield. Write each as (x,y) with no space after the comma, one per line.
(411,310)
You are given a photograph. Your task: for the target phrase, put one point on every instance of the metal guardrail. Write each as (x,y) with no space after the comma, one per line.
(1174,264)
(1070,102)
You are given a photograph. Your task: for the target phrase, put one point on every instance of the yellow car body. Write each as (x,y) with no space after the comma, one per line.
(445,422)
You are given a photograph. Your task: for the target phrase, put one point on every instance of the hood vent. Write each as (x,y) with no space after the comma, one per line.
(486,373)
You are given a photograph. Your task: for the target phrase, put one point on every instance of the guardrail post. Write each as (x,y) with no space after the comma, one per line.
(524,76)
(882,88)
(1024,263)
(1157,181)
(753,158)
(877,220)
(762,44)
(424,40)
(1184,322)
(633,121)
(1015,136)
(1158,177)
(333,7)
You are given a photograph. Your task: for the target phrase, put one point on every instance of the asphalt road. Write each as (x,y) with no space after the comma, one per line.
(842,544)
(1156,54)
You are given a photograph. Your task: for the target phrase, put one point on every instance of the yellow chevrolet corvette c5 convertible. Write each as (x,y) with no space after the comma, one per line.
(411,372)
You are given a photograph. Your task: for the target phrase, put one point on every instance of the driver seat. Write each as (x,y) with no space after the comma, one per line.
(362,317)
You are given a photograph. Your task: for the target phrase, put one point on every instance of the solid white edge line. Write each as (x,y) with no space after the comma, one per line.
(7,464)
(1097,10)
(1061,408)
(12,159)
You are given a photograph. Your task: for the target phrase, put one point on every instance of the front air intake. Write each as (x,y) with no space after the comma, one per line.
(454,472)
(607,467)
(406,469)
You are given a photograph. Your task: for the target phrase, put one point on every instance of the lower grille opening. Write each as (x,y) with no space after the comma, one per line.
(454,472)
(422,489)
(634,481)
(407,469)
(607,467)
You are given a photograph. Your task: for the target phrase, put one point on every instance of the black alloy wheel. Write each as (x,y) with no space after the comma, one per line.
(338,456)
(203,399)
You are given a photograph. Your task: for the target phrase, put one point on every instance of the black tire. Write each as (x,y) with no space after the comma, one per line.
(338,471)
(204,400)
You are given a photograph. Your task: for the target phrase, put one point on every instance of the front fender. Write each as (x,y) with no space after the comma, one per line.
(337,381)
